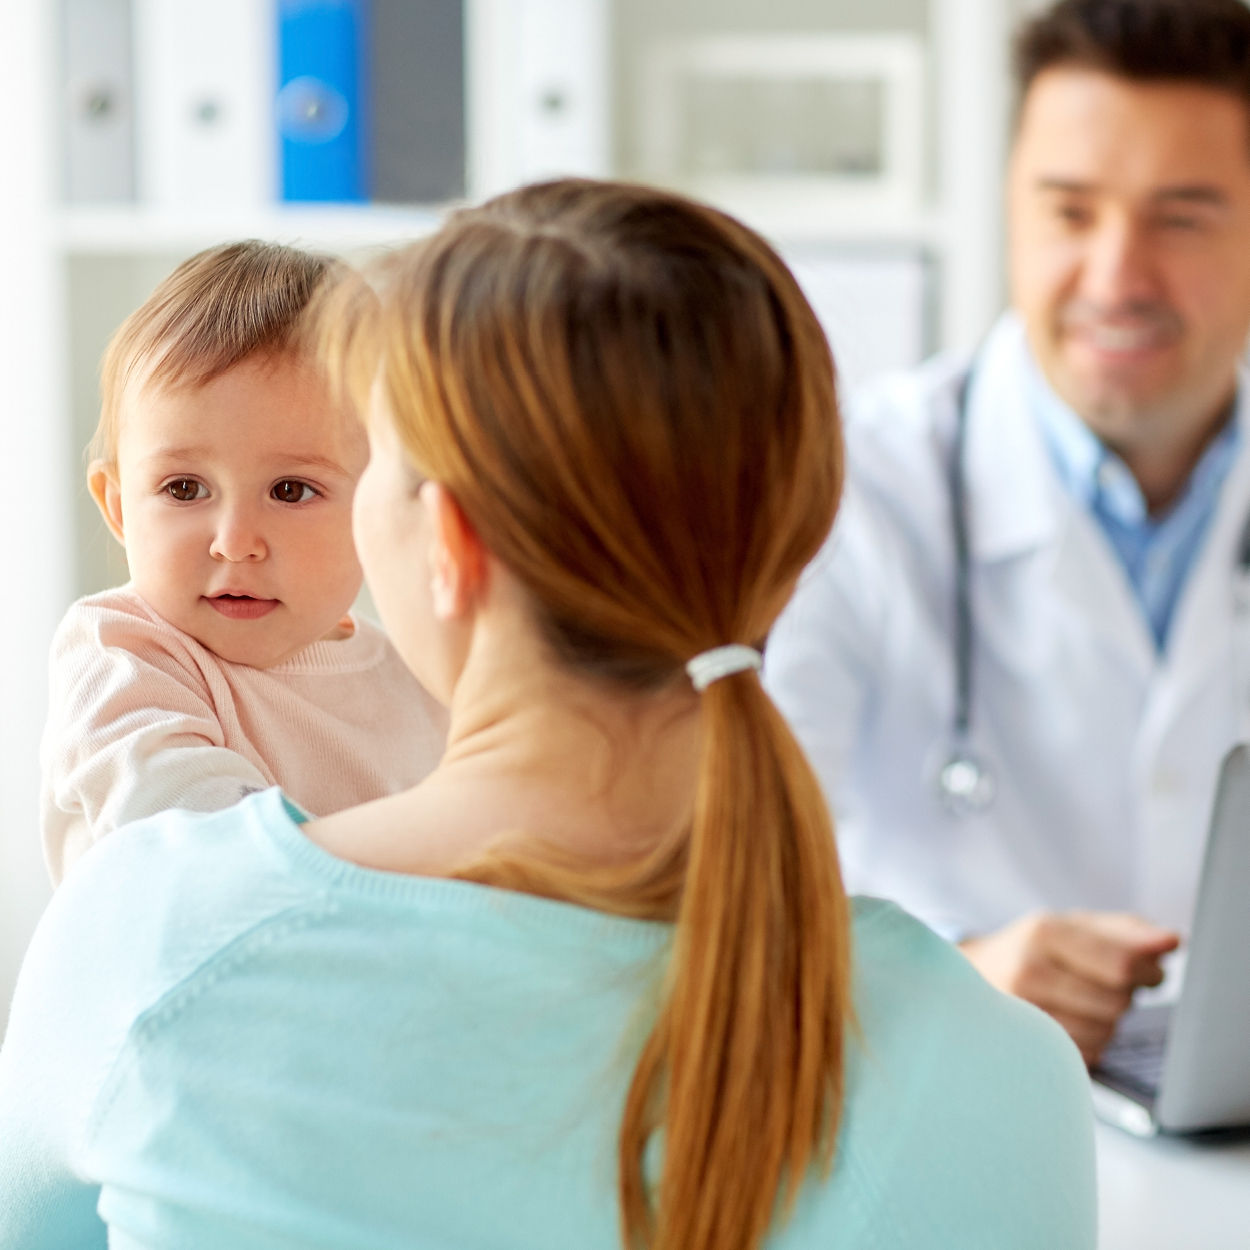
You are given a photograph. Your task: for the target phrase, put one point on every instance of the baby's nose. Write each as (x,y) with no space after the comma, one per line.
(237,539)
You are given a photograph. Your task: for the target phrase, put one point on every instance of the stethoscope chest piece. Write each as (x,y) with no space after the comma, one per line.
(964,783)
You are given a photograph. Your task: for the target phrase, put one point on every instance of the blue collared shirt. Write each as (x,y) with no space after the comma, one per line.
(1157,553)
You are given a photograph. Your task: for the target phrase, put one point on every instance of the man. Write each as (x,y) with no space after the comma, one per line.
(1105,468)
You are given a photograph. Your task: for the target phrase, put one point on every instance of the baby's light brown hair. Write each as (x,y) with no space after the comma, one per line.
(216,309)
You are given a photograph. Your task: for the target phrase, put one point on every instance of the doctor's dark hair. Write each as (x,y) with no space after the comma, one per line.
(1204,42)
(634,406)
(216,309)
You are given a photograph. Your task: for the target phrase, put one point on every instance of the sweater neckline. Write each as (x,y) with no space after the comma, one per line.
(360,649)
(277,820)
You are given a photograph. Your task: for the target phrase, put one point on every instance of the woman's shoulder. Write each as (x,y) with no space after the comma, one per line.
(151,904)
(141,915)
(920,1004)
(967,1118)
(891,946)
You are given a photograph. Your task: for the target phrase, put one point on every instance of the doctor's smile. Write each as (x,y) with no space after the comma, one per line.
(1129,340)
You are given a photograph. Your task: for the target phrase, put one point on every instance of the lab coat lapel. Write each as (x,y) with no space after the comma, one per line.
(1193,700)
(1201,638)
(1019,509)
(1092,583)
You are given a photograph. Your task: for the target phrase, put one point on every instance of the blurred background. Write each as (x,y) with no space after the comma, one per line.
(865,138)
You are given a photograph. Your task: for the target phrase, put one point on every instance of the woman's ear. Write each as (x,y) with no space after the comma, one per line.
(457,556)
(106,490)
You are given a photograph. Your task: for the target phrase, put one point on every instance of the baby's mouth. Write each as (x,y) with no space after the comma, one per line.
(242,607)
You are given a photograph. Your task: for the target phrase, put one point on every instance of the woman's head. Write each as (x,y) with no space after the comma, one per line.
(632,403)
(622,399)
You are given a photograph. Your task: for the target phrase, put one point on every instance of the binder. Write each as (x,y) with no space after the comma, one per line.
(97,116)
(563,59)
(204,85)
(323,99)
(417,107)
(539,84)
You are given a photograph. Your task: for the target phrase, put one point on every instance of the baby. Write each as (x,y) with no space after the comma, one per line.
(231,661)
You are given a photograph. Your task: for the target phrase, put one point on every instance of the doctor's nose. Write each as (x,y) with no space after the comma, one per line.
(237,539)
(1118,268)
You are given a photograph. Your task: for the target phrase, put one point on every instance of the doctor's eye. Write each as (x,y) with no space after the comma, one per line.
(1074,216)
(1181,223)
(291,491)
(184,489)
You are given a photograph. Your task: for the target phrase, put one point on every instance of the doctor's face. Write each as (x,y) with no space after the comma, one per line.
(1129,225)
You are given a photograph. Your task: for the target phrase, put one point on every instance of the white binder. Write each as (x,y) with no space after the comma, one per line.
(538,93)
(205,82)
(97,113)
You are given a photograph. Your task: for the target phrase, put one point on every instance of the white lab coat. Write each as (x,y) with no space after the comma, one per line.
(1105,753)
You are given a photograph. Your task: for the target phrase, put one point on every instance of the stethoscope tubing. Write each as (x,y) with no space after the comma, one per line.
(964,783)
(965,626)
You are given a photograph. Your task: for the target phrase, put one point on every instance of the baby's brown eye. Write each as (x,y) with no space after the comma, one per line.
(292,492)
(183,490)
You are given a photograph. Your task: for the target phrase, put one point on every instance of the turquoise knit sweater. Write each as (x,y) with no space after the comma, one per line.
(225,1038)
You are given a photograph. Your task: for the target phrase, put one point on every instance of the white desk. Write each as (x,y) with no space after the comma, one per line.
(1167,1194)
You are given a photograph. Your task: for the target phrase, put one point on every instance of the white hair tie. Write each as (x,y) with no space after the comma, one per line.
(710,666)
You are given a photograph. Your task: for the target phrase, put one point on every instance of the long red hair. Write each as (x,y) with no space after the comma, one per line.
(634,405)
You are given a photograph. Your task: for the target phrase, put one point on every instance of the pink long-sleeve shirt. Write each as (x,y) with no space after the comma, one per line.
(142,718)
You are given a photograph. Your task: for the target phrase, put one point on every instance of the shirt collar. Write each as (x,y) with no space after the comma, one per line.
(1095,476)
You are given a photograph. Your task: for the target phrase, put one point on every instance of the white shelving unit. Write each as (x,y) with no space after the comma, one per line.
(72,272)
(124,230)
(35,518)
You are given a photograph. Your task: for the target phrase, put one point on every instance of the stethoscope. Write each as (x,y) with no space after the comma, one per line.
(964,780)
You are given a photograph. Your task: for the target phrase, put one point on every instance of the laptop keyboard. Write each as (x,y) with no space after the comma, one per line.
(1136,1060)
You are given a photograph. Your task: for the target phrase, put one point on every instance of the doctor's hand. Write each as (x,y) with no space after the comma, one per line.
(1079,967)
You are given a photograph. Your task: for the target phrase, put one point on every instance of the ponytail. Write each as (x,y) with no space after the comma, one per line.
(744,1069)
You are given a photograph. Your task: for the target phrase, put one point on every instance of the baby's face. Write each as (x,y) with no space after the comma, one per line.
(234,502)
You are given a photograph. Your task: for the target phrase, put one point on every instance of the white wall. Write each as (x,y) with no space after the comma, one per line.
(34,516)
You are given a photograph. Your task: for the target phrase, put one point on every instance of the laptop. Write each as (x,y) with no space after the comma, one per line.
(1184,1067)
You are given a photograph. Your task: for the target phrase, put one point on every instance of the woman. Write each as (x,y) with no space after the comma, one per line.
(595,981)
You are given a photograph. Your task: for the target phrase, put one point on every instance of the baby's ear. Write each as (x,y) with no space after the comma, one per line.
(106,490)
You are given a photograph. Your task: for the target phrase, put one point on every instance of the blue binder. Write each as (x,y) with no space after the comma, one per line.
(323,99)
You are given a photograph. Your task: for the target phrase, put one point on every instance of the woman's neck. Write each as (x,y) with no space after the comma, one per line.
(536,754)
